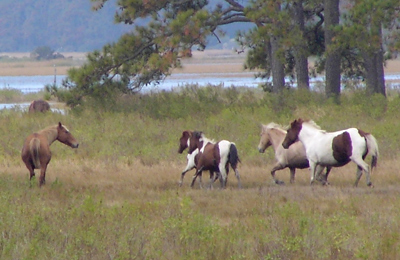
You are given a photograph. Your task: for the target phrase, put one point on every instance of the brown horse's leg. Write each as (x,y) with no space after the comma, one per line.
(198,172)
(31,170)
(42,178)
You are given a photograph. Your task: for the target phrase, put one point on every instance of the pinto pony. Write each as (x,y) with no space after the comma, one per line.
(215,157)
(36,150)
(192,158)
(292,158)
(334,149)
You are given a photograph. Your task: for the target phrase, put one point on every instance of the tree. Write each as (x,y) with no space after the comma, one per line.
(45,53)
(332,62)
(372,24)
(174,27)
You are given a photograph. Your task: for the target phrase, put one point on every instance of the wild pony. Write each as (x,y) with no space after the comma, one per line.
(39,106)
(334,148)
(214,156)
(192,158)
(292,158)
(36,150)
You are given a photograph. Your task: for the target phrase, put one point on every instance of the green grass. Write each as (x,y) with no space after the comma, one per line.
(116,196)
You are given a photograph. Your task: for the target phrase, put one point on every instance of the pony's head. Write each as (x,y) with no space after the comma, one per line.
(194,141)
(265,140)
(184,140)
(65,137)
(292,134)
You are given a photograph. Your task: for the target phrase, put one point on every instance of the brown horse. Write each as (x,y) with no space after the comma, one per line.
(192,158)
(36,150)
(215,157)
(39,106)
(292,158)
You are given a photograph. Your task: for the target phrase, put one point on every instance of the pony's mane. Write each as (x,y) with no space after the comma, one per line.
(313,125)
(49,128)
(206,139)
(276,126)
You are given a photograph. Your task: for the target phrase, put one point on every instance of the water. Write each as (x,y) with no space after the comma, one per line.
(29,84)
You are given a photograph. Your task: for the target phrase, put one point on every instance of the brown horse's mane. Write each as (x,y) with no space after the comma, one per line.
(50,132)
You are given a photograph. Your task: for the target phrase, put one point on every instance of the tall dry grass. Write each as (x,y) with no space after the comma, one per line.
(117,195)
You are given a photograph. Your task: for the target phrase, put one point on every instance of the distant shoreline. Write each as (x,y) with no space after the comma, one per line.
(209,61)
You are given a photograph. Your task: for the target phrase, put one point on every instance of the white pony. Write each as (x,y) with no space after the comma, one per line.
(293,158)
(334,148)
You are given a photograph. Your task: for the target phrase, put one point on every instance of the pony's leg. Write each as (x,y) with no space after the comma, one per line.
(328,170)
(277,167)
(42,178)
(200,179)
(198,172)
(237,177)
(313,168)
(222,174)
(212,180)
(323,178)
(31,170)
(183,175)
(362,166)
(292,174)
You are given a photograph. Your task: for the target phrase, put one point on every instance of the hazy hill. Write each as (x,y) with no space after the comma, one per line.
(64,25)
(69,25)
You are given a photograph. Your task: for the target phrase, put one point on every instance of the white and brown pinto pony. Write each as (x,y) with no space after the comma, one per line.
(36,150)
(334,148)
(214,156)
(293,158)
(192,158)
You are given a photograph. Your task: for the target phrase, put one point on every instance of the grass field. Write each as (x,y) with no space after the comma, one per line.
(117,195)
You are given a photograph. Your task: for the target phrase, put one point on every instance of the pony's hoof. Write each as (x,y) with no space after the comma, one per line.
(279,182)
(370,185)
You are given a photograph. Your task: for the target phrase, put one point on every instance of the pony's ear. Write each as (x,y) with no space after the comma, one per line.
(59,125)
(187,133)
(197,134)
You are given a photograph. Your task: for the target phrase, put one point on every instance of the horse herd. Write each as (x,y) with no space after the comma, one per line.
(302,145)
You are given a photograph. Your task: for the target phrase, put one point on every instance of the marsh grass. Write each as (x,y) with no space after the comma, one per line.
(117,195)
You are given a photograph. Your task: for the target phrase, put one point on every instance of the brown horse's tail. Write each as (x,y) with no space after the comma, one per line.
(34,145)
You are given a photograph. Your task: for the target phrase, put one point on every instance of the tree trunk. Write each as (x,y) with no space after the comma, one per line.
(277,67)
(300,50)
(332,63)
(373,65)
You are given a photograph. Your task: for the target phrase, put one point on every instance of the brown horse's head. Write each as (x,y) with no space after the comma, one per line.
(194,141)
(65,137)
(265,141)
(183,141)
(292,133)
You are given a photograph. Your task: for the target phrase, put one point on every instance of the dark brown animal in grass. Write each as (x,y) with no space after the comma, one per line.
(39,106)
(36,150)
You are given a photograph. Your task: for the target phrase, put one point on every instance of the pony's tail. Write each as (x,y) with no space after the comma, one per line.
(34,145)
(373,149)
(233,156)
